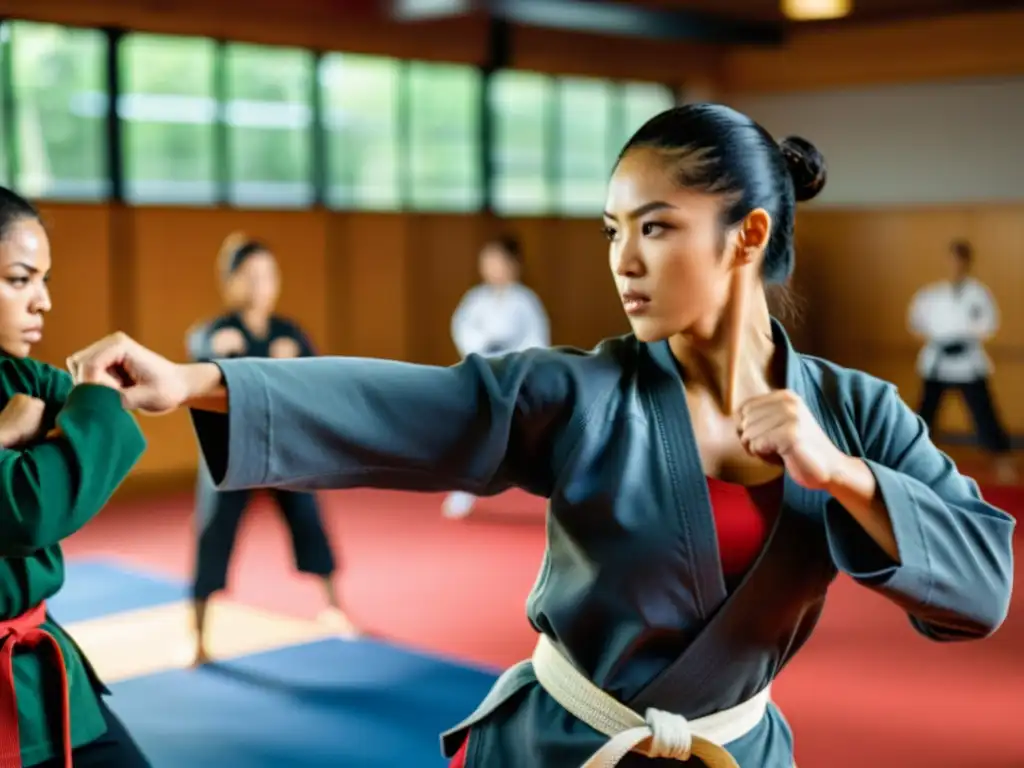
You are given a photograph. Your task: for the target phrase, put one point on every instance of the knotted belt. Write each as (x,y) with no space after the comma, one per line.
(26,630)
(657,734)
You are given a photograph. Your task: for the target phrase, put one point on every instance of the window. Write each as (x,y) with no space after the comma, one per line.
(270,122)
(59,83)
(360,98)
(585,155)
(639,103)
(444,136)
(168,112)
(5,144)
(521,104)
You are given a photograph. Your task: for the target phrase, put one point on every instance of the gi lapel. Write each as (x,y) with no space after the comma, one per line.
(731,658)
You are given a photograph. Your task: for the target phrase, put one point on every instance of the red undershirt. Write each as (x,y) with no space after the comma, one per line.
(744,516)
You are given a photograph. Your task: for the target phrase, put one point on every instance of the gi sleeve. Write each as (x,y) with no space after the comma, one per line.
(984,315)
(55,386)
(51,489)
(955,570)
(918,316)
(481,426)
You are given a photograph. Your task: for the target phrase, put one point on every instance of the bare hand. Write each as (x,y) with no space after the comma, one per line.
(21,420)
(284,347)
(779,427)
(146,381)
(227,342)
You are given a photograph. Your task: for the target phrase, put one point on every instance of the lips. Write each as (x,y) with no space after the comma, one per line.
(635,302)
(33,335)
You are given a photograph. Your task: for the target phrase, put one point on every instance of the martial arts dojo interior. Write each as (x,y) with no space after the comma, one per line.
(375,146)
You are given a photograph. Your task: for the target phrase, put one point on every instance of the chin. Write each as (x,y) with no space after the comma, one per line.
(16,348)
(649,331)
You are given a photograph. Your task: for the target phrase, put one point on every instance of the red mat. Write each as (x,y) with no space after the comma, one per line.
(865,682)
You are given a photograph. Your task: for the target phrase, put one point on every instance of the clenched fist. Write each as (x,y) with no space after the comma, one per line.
(146,381)
(227,342)
(21,421)
(284,347)
(779,427)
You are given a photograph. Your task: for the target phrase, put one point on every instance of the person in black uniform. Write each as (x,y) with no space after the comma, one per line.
(251,284)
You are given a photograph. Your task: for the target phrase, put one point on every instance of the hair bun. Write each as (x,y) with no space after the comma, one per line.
(806,166)
(232,243)
(226,255)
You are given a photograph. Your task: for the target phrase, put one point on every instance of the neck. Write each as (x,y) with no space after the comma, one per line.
(730,356)
(256,319)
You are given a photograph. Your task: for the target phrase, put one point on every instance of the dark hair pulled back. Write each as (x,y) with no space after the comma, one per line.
(14,208)
(717,150)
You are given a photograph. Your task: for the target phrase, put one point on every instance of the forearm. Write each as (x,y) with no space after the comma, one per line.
(205,388)
(51,489)
(856,489)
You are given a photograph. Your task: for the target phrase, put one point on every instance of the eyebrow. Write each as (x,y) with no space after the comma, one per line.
(646,208)
(28,267)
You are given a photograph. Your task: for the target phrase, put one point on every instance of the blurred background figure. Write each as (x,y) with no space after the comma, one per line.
(955,317)
(498,316)
(251,284)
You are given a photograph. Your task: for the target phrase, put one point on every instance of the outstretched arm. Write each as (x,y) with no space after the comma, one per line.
(481,426)
(333,422)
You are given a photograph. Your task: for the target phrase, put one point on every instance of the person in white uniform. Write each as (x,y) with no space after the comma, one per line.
(495,317)
(954,318)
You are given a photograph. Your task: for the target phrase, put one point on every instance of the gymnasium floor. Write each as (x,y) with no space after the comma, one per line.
(445,601)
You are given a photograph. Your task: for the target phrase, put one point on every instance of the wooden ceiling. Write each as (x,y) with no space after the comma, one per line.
(864,10)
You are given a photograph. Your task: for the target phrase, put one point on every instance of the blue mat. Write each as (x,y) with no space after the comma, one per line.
(329,703)
(94,588)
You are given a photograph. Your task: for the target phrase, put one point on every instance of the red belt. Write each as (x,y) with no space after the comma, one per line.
(26,630)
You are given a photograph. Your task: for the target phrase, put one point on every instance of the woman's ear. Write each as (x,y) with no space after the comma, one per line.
(754,233)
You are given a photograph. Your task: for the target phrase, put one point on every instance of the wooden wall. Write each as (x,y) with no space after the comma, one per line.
(863,266)
(378,285)
(848,55)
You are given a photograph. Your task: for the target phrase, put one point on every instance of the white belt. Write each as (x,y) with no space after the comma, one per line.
(658,734)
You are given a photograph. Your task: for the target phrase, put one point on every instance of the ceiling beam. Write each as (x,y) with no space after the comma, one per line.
(623,19)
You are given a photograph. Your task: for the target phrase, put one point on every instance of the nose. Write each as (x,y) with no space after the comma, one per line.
(41,301)
(627,261)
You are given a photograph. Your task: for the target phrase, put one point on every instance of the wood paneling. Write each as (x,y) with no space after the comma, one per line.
(441,266)
(368,285)
(175,253)
(860,269)
(548,50)
(80,282)
(970,45)
(863,10)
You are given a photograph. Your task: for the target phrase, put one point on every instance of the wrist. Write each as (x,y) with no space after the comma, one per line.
(204,387)
(851,477)
(202,381)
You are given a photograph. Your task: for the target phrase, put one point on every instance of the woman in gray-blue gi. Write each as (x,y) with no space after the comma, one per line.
(651,651)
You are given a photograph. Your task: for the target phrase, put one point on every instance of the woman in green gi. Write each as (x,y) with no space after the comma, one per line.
(64,449)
